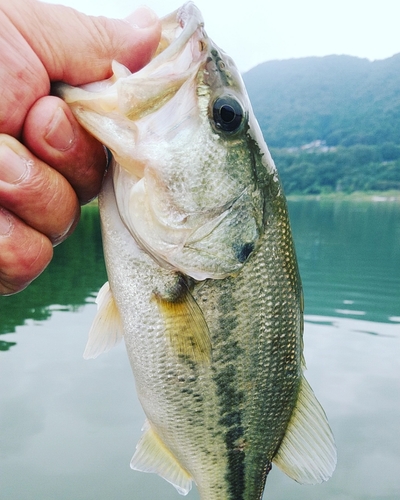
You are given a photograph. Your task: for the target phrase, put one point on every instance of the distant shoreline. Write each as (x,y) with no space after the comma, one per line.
(370,196)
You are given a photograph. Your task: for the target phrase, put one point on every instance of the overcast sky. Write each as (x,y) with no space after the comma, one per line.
(254,31)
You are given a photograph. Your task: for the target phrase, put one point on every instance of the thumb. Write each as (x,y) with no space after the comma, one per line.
(78,49)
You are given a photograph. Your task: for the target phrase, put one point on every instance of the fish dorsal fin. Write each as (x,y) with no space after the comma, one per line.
(307,453)
(106,331)
(185,325)
(153,456)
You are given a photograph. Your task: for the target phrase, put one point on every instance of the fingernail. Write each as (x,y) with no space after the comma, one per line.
(142,18)
(13,168)
(60,134)
(5,223)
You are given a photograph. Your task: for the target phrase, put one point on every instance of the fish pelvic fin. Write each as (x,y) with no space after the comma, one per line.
(153,456)
(106,330)
(307,453)
(185,325)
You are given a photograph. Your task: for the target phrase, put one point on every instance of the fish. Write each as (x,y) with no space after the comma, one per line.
(203,281)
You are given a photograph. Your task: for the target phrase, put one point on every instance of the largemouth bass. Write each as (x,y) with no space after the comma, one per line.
(203,280)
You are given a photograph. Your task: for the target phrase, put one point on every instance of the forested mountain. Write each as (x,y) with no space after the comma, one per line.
(332,123)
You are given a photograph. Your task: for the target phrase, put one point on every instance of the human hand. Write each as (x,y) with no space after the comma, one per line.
(48,164)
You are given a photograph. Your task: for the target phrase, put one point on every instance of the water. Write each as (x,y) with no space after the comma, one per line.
(69,427)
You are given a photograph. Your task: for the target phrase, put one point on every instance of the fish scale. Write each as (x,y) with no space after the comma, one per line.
(203,283)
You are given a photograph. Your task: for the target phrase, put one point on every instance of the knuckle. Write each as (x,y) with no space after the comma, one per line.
(44,200)
(23,256)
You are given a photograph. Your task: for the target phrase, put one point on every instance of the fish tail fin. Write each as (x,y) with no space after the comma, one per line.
(307,453)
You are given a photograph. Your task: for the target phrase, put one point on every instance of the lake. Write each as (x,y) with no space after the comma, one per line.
(69,427)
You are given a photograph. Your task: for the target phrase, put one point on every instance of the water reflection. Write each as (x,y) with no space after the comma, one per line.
(72,279)
(69,427)
(356,376)
(349,257)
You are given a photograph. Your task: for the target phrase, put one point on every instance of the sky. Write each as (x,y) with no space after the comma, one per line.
(255,31)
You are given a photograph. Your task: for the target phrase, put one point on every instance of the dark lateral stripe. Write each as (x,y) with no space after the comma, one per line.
(235,475)
(230,400)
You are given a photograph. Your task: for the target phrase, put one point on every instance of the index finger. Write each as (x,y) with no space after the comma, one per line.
(52,133)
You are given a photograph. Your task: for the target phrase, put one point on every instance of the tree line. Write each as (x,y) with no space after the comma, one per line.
(350,106)
(355,168)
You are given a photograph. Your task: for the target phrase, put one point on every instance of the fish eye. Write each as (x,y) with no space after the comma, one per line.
(228,114)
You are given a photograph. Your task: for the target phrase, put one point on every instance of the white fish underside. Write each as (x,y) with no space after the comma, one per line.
(203,279)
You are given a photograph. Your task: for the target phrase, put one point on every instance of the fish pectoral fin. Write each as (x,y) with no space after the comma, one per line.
(186,327)
(106,331)
(153,456)
(307,453)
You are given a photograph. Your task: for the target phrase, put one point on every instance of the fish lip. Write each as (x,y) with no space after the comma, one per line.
(188,12)
(190,19)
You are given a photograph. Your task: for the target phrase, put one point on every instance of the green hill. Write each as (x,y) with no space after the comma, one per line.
(332,123)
